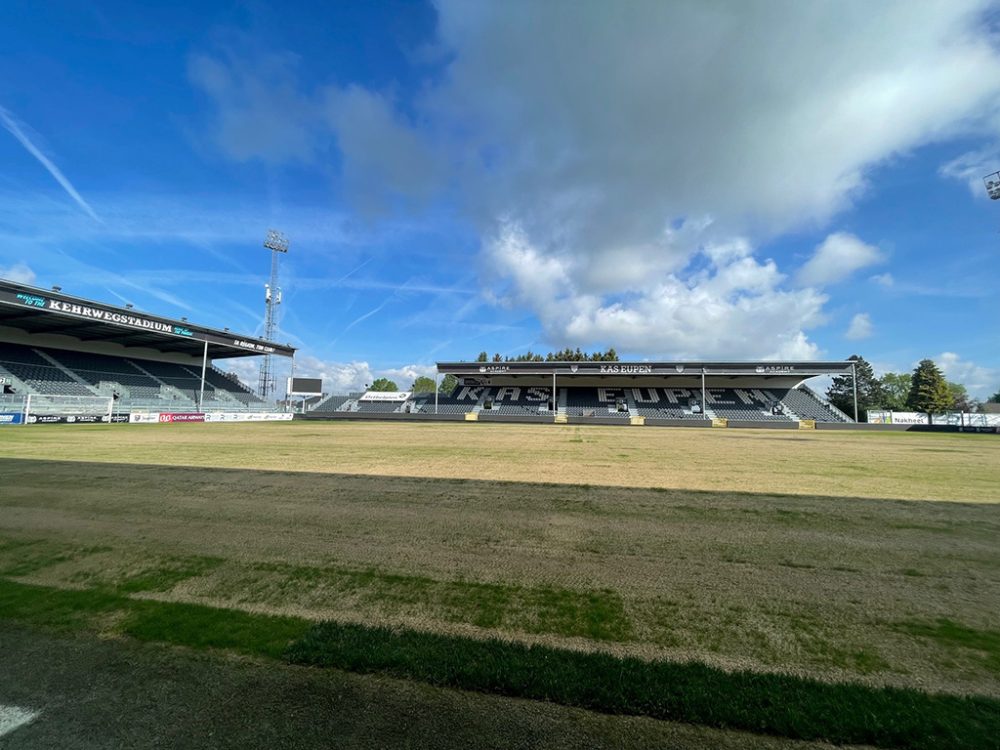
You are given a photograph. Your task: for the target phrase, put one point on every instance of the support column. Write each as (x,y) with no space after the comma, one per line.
(555,401)
(288,389)
(204,366)
(704,405)
(436,388)
(854,383)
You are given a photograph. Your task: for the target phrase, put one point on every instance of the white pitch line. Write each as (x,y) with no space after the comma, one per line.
(12,717)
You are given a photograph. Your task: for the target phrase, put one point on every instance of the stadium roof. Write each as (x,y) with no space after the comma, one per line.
(35,310)
(660,369)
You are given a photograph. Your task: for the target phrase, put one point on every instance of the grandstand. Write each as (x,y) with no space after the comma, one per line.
(689,392)
(55,345)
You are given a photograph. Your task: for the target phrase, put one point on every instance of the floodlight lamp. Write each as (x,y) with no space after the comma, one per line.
(993,185)
(276,241)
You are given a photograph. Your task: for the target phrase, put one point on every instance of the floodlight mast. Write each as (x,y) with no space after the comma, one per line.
(277,243)
(992,182)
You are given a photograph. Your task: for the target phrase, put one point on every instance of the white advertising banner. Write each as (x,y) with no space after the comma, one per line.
(385,396)
(955,419)
(245,416)
(218,416)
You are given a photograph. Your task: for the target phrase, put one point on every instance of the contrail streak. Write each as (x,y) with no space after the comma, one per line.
(15,129)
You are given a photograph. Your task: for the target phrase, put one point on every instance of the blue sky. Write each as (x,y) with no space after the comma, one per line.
(751,180)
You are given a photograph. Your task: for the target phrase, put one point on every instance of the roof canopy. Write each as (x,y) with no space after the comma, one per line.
(36,310)
(659,369)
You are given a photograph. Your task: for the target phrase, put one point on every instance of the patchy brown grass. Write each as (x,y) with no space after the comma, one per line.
(915,466)
(799,552)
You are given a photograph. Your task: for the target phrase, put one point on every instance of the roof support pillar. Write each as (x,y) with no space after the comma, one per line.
(854,383)
(204,366)
(704,414)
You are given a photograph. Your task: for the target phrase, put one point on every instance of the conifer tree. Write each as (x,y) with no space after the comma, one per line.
(929,390)
(841,390)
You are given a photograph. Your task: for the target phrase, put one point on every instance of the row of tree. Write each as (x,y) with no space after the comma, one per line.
(422,384)
(923,390)
(566,355)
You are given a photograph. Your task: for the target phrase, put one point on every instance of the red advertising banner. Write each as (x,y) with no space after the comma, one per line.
(183,417)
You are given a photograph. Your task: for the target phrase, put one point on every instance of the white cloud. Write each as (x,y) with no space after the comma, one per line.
(642,149)
(19,272)
(981,382)
(733,307)
(839,256)
(883,279)
(405,375)
(972,166)
(860,328)
(338,377)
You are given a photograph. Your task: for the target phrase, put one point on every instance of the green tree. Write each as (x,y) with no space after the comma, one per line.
(383,384)
(483,357)
(841,390)
(423,384)
(895,390)
(994,399)
(448,384)
(960,398)
(928,389)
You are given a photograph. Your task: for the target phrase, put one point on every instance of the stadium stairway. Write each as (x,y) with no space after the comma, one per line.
(66,371)
(633,410)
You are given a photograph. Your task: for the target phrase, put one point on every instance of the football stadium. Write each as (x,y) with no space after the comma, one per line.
(806,579)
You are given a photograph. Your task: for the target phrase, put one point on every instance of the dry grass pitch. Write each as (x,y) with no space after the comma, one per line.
(868,557)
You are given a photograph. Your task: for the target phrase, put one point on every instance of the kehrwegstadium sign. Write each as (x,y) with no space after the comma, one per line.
(50,302)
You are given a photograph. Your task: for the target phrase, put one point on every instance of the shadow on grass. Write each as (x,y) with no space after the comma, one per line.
(774,704)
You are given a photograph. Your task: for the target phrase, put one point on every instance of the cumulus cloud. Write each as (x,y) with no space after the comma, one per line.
(626,141)
(839,256)
(981,382)
(733,306)
(20,272)
(338,377)
(405,375)
(860,328)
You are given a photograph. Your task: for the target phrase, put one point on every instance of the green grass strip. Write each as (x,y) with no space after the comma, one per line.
(198,626)
(775,704)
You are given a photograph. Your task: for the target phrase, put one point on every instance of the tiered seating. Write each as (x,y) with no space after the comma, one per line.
(38,373)
(98,368)
(379,407)
(517,401)
(332,403)
(667,403)
(222,382)
(807,406)
(745,404)
(137,380)
(178,376)
(595,402)
(461,401)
